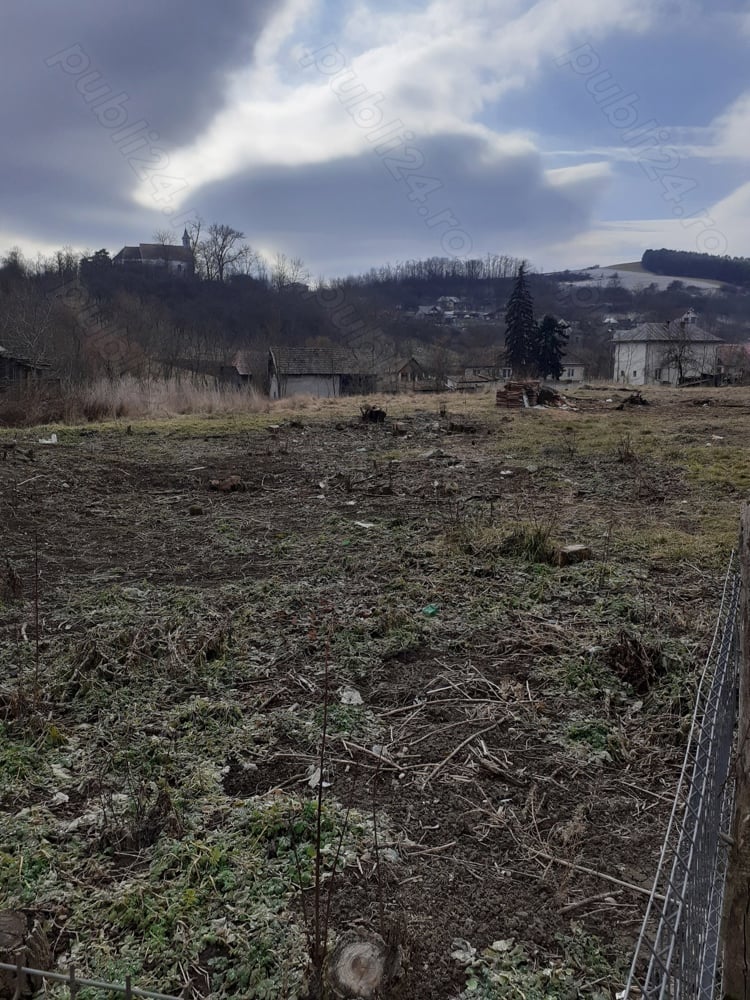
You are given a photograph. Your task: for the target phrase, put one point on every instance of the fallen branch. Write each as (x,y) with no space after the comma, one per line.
(596,874)
(600,897)
(431,850)
(439,767)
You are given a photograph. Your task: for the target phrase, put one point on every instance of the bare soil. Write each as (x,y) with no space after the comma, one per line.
(498,748)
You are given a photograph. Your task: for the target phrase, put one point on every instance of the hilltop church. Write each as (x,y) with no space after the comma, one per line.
(178,260)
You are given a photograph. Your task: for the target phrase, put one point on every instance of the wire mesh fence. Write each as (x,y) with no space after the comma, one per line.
(678,950)
(27,980)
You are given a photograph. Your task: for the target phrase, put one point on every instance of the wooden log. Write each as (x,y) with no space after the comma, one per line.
(736,929)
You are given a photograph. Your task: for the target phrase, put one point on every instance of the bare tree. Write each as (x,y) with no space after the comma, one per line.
(223,252)
(165,237)
(28,321)
(64,262)
(288,271)
(683,354)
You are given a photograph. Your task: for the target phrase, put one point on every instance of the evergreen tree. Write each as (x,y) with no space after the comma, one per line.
(551,340)
(519,325)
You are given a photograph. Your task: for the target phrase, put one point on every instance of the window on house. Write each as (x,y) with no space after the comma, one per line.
(506,373)
(635,374)
(657,374)
(571,373)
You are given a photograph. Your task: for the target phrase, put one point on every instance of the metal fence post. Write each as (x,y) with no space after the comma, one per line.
(677,954)
(20,976)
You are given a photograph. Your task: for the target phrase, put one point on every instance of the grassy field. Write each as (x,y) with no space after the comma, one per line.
(500,736)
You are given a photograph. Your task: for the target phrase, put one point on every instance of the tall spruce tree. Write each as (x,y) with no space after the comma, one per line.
(551,340)
(520,326)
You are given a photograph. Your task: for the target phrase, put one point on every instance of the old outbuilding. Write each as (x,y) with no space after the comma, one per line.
(318,371)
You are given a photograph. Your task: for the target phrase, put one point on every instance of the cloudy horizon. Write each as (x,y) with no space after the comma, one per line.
(563,131)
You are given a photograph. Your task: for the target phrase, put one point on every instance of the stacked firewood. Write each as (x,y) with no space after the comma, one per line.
(515,395)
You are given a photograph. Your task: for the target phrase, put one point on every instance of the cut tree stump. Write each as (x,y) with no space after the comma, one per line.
(568,554)
(373,414)
(362,965)
(17,937)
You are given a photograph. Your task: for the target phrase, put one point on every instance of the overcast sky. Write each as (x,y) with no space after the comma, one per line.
(570,132)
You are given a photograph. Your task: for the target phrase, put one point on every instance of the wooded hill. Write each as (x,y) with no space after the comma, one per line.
(685,264)
(168,322)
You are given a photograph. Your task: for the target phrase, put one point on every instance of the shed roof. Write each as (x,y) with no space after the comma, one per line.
(397,364)
(316,361)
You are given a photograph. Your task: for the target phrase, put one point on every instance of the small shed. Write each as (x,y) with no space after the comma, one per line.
(402,374)
(317,371)
(18,371)
(733,363)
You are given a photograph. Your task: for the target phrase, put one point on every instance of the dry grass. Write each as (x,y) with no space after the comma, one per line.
(131,397)
(127,398)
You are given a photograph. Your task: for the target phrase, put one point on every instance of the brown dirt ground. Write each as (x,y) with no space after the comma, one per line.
(477,793)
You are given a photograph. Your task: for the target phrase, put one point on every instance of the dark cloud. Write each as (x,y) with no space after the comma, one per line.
(171,58)
(349,213)
(64,179)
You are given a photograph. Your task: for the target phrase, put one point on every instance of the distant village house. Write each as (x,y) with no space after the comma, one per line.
(402,375)
(670,353)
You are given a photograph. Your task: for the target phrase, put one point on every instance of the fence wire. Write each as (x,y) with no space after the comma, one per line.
(678,951)
(26,975)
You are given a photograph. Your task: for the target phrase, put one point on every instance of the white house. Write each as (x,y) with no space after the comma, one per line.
(574,371)
(670,353)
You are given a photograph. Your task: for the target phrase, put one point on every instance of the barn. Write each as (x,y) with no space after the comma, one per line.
(317,371)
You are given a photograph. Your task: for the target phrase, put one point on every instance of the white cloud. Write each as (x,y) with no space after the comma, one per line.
(435,68)
(582,173)
(732,129)
(725,229)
